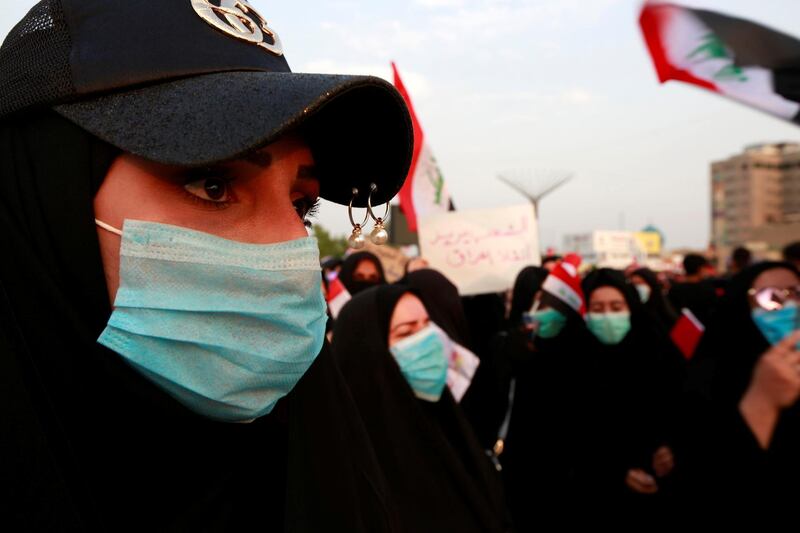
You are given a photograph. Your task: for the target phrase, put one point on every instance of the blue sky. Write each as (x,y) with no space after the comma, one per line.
(518,87)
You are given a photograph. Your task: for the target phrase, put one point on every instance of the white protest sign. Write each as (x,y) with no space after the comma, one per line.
(481,250)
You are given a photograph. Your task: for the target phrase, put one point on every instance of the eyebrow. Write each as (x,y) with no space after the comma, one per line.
(260,158)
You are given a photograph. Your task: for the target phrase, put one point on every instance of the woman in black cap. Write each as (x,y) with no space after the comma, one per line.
(744,385)
(360,271)
(161,344)
(630,400)
(394,361)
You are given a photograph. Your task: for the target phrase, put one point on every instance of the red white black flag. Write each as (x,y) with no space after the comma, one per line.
(742,60)
(424,192)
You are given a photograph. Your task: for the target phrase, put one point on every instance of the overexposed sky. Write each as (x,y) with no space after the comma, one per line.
(524,87)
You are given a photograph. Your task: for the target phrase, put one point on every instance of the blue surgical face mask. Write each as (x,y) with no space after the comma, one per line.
(644,292)
(226,328)
(422,358)
(547,323)
(778,324)
(609,328)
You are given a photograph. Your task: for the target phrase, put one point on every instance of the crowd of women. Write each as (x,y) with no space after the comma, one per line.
(163,356)
(581,400)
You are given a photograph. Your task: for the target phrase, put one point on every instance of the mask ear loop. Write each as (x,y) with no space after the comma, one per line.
(356,240)
(379,235)
(108,227)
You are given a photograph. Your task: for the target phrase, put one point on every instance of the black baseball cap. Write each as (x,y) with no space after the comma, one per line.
(195,82)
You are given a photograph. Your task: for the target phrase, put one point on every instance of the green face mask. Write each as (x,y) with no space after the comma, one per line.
(547,322)
(609,328)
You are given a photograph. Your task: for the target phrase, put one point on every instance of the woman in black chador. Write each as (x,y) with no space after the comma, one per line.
(162,357)
(393,359)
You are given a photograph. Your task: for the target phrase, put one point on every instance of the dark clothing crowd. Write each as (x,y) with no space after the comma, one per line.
(584,408)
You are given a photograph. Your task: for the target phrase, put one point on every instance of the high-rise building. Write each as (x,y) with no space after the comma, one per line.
(755,199)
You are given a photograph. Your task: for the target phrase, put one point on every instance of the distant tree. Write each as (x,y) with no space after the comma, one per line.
(328,244)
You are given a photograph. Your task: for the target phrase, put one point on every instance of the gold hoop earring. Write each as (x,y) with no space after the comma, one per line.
(378,235)
(356,240)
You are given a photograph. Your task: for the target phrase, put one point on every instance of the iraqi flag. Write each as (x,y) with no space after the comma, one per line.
(424,192)
(337,297)
(742,60)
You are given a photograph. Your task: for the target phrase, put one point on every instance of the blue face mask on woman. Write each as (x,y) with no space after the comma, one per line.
(422,358)
(777,324)
(226,328)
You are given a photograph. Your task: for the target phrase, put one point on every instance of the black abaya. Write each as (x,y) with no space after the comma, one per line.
(87,442)
(630,404)
(437,474)
(729,468)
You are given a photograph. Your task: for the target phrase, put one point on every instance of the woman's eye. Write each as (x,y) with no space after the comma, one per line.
(209,189)
(305,208)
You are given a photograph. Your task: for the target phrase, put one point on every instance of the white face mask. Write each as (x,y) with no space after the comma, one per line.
(644,292)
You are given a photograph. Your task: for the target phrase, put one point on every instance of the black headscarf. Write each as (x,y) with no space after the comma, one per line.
(726,458)
(657,305)
(484,402)
(437,474)
(527,284)
(542,437)
(442,302)
(631,397)
(486,316)
(86,441)
(349,267)
(732,343)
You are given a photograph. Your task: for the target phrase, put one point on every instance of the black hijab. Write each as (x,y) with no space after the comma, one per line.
(86,441)
(349,267)
(631,395)
(732,343)
(527,284)
(657,305)
(438,476)
(442,302)
(541,439)
(727,463)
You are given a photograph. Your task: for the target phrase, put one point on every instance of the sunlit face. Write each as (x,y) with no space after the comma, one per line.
(366,271)
(261,198)
(409,316)
(607,300)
